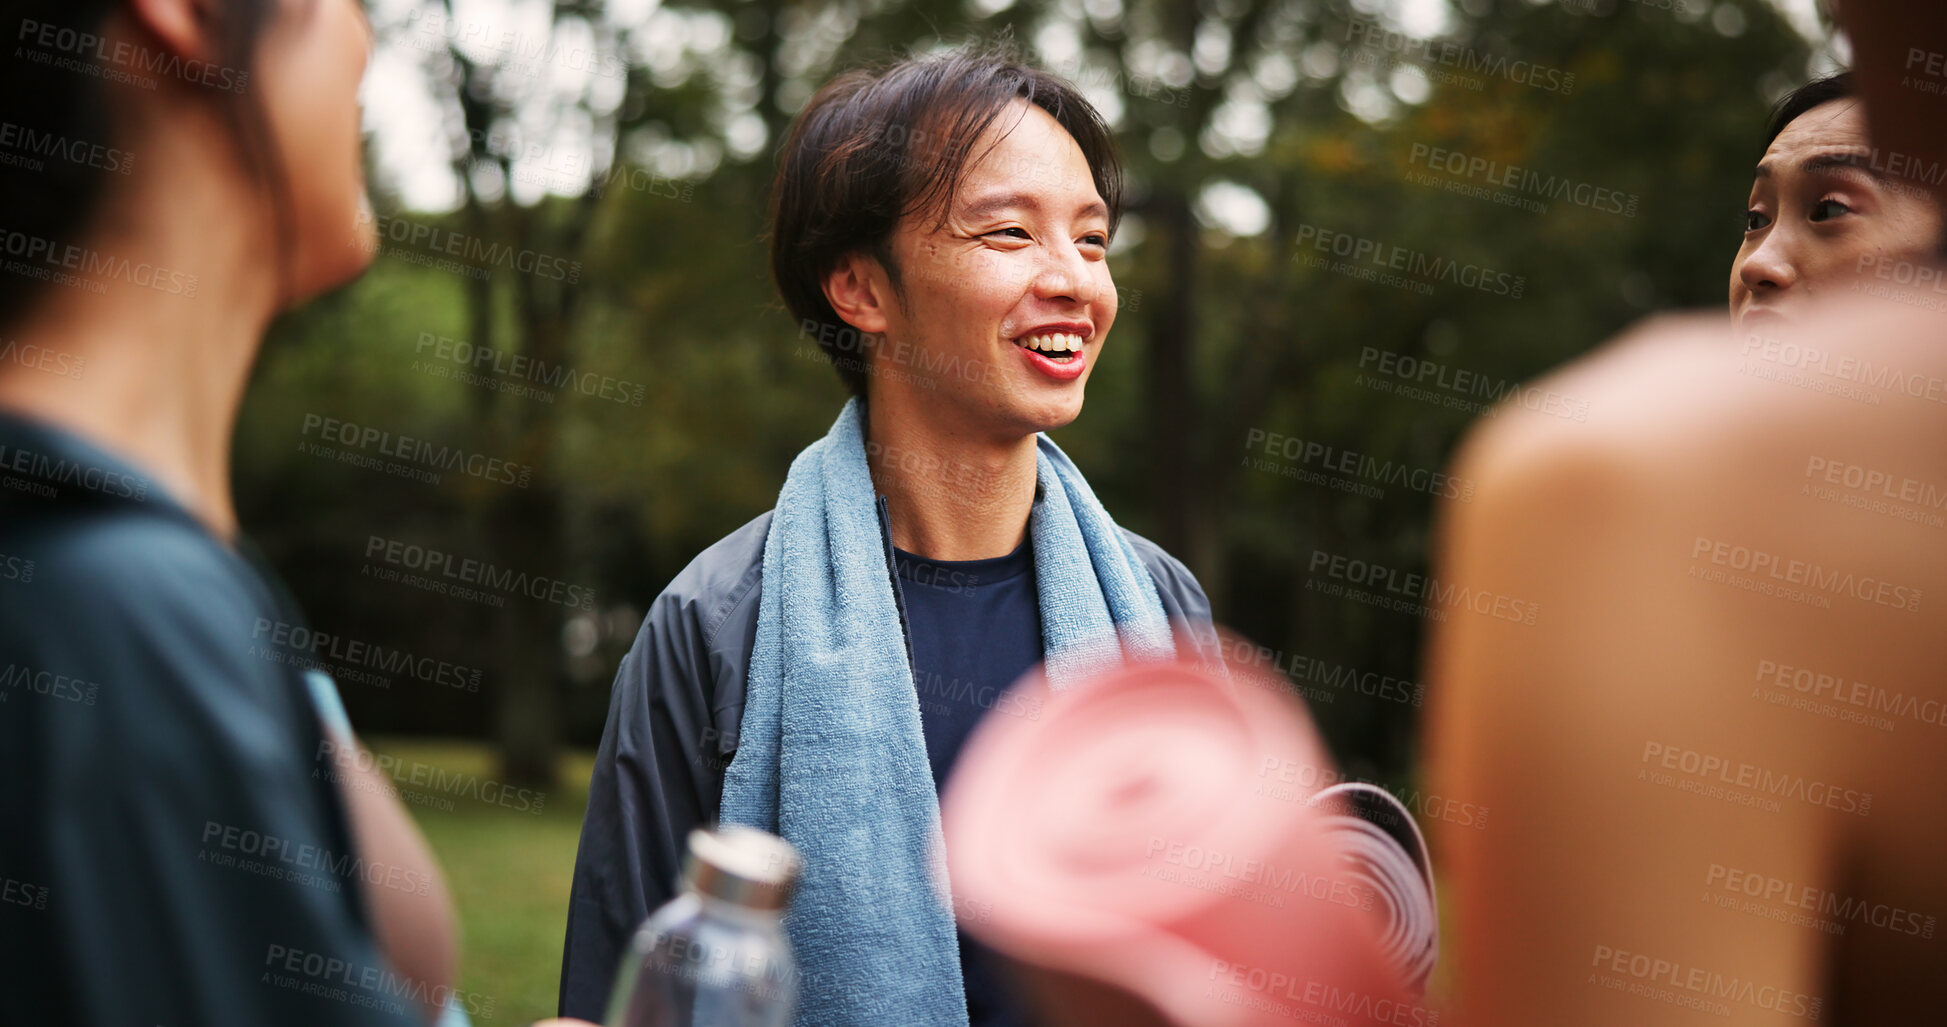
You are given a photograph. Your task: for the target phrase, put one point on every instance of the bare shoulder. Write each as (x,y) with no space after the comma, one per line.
(1737,558)
(1678,394)
(1730,504)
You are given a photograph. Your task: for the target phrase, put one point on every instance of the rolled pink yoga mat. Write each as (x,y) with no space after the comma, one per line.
(1144,851)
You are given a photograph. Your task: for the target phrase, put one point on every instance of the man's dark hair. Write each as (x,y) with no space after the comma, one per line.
(876,145)
(1804,98)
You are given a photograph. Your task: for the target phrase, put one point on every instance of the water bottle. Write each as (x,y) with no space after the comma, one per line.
(716,955)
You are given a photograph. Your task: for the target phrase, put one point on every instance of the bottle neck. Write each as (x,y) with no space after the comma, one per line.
(736,912)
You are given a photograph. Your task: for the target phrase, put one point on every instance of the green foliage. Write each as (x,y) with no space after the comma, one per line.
(675,295)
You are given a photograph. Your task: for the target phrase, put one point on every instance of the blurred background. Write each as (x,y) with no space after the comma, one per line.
(1351,228)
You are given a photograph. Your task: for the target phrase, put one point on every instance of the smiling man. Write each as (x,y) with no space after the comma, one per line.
(941,226)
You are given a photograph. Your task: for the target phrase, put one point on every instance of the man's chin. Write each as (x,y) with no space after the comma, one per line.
(1059,414)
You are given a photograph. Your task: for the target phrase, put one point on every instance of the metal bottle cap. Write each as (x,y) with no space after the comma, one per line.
(742,865)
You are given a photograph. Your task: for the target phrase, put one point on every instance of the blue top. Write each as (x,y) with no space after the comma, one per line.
(174,850)
(975,627)
(675,711)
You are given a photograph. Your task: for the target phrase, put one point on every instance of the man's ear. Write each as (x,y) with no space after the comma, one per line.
(859,293)
(184,28)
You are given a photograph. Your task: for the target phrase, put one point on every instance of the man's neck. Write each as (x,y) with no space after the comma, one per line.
(950,495)
(162,373)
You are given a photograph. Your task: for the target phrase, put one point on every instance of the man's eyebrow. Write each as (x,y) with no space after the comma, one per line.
(1003,201)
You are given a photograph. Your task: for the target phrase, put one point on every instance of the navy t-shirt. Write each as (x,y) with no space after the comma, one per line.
(171,842)
(975,627)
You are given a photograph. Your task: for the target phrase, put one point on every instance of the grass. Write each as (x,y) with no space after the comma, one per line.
(508,871)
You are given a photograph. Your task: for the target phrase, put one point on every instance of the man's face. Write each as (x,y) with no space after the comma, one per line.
(996,296)
(1824,210)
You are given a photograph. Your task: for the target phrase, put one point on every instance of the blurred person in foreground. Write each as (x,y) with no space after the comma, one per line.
(1715,762)
(1829,211)
(191,835)
(941,228)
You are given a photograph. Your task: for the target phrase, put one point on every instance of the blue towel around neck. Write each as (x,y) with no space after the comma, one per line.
(830,754)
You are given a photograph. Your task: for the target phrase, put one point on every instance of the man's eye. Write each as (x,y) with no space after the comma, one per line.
(1097,240)
(1754,220)
(1022,233)
(1826,210)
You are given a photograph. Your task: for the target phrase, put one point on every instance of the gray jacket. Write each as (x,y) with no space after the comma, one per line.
(672,727)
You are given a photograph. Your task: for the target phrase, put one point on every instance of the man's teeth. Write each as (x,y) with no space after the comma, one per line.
(1054,342)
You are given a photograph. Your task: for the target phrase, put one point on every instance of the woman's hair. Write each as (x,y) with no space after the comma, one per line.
(1804,98)
(874,146)
(59,96)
